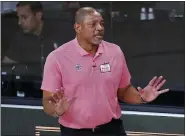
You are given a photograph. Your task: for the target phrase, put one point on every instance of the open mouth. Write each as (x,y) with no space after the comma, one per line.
(99,36)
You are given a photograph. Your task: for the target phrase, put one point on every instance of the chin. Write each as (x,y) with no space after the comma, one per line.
(97,42)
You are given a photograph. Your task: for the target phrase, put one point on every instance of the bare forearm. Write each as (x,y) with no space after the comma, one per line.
(130,95)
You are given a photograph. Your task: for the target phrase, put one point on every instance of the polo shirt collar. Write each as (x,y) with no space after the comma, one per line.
(84,52)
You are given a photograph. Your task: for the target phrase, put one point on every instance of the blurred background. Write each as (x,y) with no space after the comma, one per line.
(151,35)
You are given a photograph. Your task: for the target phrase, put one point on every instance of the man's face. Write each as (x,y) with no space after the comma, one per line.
(27,19)
(92,28)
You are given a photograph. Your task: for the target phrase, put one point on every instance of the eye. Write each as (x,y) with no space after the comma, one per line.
(93,24)
(102,23)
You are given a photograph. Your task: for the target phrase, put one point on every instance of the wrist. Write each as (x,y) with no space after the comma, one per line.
(142,100)
(59,114)
(56,114)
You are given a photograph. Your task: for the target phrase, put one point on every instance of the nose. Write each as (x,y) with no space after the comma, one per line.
(99,27)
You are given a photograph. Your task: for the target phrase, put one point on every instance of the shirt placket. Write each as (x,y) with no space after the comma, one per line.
(94,64)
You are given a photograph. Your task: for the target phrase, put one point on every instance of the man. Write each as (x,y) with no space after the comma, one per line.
(84,78)
(37,36)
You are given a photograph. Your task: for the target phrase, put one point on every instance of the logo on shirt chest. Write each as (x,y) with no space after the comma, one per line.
(105,68)
(78,67)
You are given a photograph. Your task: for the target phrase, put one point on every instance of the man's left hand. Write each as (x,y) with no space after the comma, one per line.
(152,90)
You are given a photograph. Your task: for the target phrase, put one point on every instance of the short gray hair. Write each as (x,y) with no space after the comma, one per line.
(83,12)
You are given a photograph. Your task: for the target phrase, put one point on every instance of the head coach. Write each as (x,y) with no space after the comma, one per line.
(84,78)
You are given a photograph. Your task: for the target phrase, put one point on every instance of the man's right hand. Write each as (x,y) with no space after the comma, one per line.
(60,102)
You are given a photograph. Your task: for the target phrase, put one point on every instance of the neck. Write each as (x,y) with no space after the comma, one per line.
(39,29)
(92,49)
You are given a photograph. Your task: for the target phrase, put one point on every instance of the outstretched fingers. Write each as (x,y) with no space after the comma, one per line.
(163,91)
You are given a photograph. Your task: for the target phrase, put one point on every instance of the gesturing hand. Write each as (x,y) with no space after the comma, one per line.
(60,102)
(151,91)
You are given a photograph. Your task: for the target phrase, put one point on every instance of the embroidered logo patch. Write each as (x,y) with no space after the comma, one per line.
(78,67)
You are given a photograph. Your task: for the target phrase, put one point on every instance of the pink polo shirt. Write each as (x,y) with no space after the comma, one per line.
(93,80)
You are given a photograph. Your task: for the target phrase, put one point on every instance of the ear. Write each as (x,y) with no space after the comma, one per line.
(77,28)
(39,15)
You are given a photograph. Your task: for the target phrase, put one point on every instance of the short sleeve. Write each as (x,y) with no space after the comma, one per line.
(125,77)
(52,77)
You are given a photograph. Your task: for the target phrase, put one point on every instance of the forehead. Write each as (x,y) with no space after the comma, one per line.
(26,10)
(95,16)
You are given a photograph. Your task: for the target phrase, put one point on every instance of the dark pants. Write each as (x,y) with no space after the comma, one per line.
(113,128)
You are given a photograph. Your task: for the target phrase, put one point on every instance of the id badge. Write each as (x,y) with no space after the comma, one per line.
(105,68)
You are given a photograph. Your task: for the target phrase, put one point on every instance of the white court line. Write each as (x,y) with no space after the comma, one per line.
(22,106)
(152,114)
(122,112)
